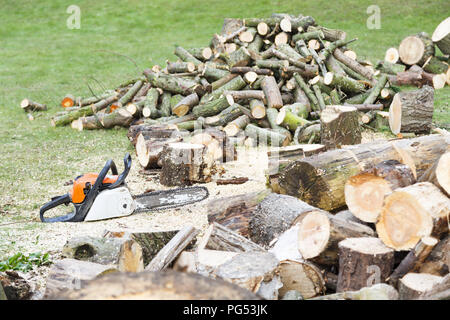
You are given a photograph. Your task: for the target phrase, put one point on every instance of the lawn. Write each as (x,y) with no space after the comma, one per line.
(42,59)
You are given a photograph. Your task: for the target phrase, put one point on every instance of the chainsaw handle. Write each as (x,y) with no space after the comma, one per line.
(124,174)
(64,199)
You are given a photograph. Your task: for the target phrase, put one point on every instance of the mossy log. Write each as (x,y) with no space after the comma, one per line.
(320,179)
(441,36)
(27,105)
(150,109)
(185,104)
(184,55)
(272,92)
(266,136)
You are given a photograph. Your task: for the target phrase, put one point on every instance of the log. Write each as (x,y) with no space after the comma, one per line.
(414,285)
(151,131)
(184,55)
(434,65)
(102,104)
(151,103)
(290,120)
(183,164)
(320,233)
(180,67)
(303,277)
(157,286)
(266,136)
(347,84)
(225,144)
(274,215)
(202,54)
(441,36)
(305,88)
(363,262)
(151,242)
(67,274)
(379,291)
(67,118)
(365,191)
(232,96)
(411,213)
(218,237)
(390,68)
(234,212)
(185,105)
(235,126)
(130,93)
(249,269)
(438,173)
(412,111)
(225,116)
(172,249)
(272,93)
(353,64)
(392,55)
(257,108)
(329,34)
(172,84)
(149,150)
(210,108)
(439,291)
(320,179)
(214,150)
(258,71)
(407,78)
(212,73)
(375,92)
(339,126)
(29,106)
(438,261)
(414,259)
(416,49)
(124,254)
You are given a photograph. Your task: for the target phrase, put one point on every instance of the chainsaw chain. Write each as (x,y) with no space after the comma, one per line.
(170,206)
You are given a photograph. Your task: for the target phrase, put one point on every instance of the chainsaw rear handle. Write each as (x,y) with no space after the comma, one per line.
(81,210)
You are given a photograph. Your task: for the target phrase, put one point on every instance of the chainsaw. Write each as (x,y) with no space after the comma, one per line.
(105,196)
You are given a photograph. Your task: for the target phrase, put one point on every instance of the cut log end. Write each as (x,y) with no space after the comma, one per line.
(313,234)
(262,28)
(392,55)
(411,50)
(443,172)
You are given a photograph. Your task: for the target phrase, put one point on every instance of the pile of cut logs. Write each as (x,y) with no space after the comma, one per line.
(417,62)
(279,80)
(372,222)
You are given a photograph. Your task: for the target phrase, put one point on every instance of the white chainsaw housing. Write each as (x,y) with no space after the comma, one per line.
(112,203)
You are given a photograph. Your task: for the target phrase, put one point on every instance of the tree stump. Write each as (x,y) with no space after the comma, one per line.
(414,285)
(412,111)
(365,192)
(363,262)
(320,233)
(411,213)
(124,254)
(184,164)
(339,126)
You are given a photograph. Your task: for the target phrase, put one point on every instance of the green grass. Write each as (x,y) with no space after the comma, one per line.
(43,60)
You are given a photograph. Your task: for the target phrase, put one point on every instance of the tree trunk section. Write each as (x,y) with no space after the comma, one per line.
(339,126)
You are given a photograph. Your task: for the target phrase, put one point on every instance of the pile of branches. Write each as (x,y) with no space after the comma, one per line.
(416,61)
(265,78)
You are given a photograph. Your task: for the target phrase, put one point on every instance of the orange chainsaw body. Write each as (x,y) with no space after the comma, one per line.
(82,185)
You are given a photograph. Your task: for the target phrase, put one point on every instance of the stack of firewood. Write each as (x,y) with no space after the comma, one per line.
(416,61)
(279,80)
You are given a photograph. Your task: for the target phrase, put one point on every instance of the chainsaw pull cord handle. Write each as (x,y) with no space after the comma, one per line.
(80,210)
(124,174)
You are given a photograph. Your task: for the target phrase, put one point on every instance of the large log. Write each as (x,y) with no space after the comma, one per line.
(320,233)
(339,126)
(416,49)
(412,111)
(149,149)
(411,213)
(365,192)
(363,262)
(320,179)
(157,286)
(124,254)
(441,36)
(69,274)
(235,212)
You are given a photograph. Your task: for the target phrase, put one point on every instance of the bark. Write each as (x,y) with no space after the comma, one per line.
(130,93)
(235,212)
(413,212)
(224,117)
(151,242)
(185,105)
(183,164)
(441,36)
(352,64)
(339,126)
(235,126)
(14,286)
(124,254)
(438,261)
(390,68)
(436,66)
(172,84)
(172,249)
(365,192)
(290,120)
(363,262)
(184,55)
(157,286)
(415,285)
(412,111)
(272,93)
(266,136)
(320,179)
(347,84)
(69,274)
(311,96)
(165,108)
(210,108)
(180,67)
(150,109)
(375,92)
(329,34)
(438,173)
